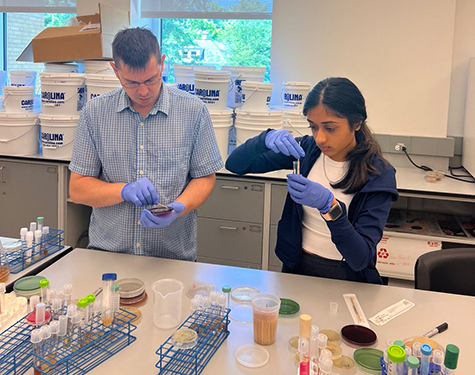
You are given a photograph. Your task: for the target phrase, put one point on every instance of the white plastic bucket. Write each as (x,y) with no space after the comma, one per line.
(212,87)
(98,67)
(244,132)
(295,122)
(268,119)
(256,95)
(19,134)
(98,84)
(222,123)
(294,94)
(23,78)
(18,99)
(240,74)
(60,68)
(57,136)
(62,94)
(185,76)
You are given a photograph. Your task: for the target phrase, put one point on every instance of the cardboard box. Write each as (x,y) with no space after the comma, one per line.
(92,41)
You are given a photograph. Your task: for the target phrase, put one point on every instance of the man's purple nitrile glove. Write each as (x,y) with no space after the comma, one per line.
(281,141)
(309,193)
(149,220)
(141,193)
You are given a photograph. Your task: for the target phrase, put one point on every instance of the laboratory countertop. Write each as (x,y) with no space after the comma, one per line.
(407,179)
(35,268)
(83,268)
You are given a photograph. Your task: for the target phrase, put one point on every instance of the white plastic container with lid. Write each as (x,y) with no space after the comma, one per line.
(61,68)
(185,76)
(222,123)
(98,67)
(98,84)
(261,119)
(240,74)
(294,94)
(23,78)
(295,122)
(256,95)
(212,87)
(19,134)
(18,99)
(57,136)
(62,94)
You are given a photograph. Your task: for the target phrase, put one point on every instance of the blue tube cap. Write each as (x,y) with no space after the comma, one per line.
(426,349)
(109,276)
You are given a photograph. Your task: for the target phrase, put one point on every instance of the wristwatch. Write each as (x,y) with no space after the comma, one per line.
(333,213)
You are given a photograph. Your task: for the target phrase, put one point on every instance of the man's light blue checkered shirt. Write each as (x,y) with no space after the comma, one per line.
(172,145)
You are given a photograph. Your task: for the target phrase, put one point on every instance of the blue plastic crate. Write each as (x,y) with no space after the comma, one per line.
(20,260)
(211,326)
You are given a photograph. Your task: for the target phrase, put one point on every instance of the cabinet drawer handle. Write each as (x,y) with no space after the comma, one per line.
(227,228)
(229,187)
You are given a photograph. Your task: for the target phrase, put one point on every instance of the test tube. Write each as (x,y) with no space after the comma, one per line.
(438,360)
(56,305)
(44,286)
(412,365)
(34,300)
(396,357)
(38,245)
(91,299)
(40,312)
(82,307)
(54,325)
(71,313)
(222,303)
(426,351)
(227,290)
(451,359)
(322,342)
(313,350)
(35,339)
(304,366)
(326,366)
(67,291)
(303,348)
(205,302)
(29,246)
(45,239)
(2,298)
(40,220)
(63,327)
(108,279)
(23,232)
(115,298)
(213,298)
(32,226)
(46,335)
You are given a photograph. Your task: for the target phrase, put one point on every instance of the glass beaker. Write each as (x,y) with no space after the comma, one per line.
(4,265)
(167,303)
(265,313)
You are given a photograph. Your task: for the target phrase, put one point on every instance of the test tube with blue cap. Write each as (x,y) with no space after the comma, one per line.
(108,280)
(426,351)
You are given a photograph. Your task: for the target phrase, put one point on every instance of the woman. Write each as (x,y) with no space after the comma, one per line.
(335,210)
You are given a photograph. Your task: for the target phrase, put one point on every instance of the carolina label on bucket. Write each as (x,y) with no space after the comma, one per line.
(208,96)
(52,139)
(293,99)
(188,87)
(27,105)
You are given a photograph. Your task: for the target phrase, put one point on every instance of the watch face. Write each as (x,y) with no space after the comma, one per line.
(335,211)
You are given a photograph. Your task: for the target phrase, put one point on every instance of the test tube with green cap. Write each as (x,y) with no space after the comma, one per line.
(91,299)
(40,220)
(451,359)
(44,286)
(412,365)
(396,357)
(227,290)
(82,307)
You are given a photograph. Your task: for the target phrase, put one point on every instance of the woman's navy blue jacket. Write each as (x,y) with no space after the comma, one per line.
(355,233)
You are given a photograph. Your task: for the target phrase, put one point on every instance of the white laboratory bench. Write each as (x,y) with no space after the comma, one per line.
(83,268)
(36,267)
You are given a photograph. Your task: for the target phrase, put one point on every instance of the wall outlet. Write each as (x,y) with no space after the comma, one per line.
(399,146)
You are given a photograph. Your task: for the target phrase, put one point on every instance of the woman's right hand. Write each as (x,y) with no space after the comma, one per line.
(281,141)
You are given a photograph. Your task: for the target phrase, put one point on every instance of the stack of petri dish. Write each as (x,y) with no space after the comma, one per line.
(28,286)
(241,311)
(132,292)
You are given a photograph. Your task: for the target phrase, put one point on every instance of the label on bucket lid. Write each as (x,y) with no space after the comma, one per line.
(295,83)
(259,85)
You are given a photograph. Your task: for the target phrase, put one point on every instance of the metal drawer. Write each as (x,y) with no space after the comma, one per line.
(278,195)
(274,262)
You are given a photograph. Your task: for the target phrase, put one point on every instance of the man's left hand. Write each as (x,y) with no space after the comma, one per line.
(149,220)
(309,193)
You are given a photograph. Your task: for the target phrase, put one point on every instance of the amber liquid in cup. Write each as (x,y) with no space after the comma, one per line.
(4,272)
(265,327)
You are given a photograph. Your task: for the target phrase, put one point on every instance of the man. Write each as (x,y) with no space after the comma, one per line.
(141,145)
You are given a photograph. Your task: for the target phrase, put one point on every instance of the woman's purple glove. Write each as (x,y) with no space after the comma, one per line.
(149,220)
(309,193)
(281,141)
(141,193)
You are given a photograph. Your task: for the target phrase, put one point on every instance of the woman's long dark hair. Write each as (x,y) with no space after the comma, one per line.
(341,97)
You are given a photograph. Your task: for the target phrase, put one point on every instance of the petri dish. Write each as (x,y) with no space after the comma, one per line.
(138,301)
(133,310)
(293,344)
(423,340)
(243,294)
(344,366)
(335,349)
(368,360)
(288,307)
(202,289)
(129,288)
(333,336)
(252,355)
(241,314)
(358,335)
(28,283)
(184,338)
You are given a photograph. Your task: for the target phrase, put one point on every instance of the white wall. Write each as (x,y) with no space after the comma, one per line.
(398,52)
(464,48)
